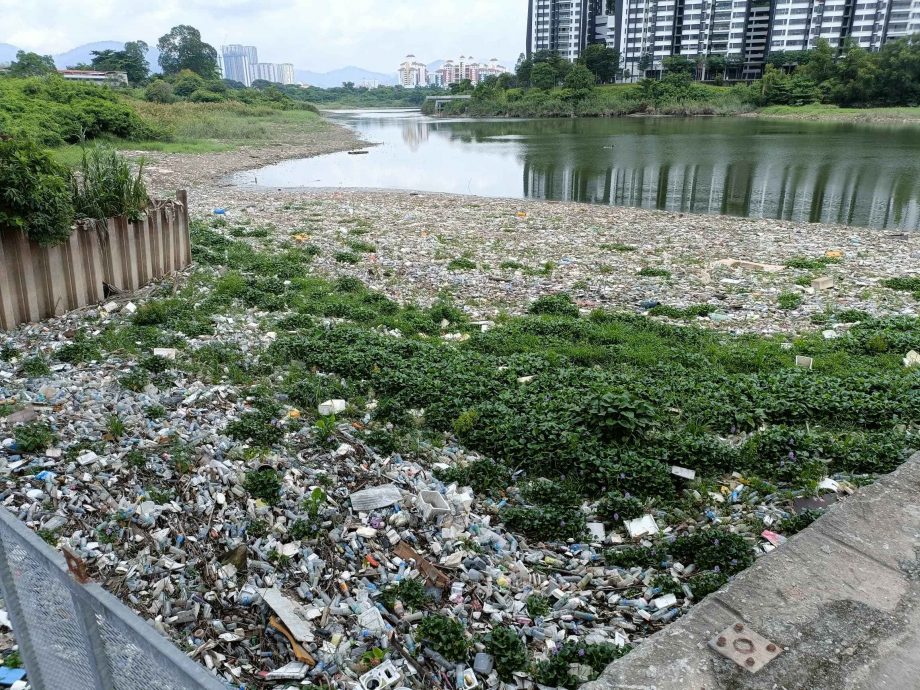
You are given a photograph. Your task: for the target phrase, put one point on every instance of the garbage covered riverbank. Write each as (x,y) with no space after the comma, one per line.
(298,478)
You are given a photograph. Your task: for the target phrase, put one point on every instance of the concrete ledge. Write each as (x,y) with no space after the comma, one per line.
(841,598)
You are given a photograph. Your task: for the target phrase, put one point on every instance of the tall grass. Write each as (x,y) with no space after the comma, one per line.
(105,186)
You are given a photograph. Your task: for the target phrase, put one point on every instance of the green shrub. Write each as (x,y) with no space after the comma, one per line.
(559,304)
(257,427)
(789,300)
(704,584)
(33,437)
(137,380)
(715,549)
(635,557)
(537,606)
(34,193)
(461,264)
(105,186)
(264,484)
(484,476)
(35,367)
(411,592)
(811,264)
(347,258)
(619,415)
(651,272)
(82,349)
(616,507)
(446,636)
(906,284)
(508,650)
(686,313)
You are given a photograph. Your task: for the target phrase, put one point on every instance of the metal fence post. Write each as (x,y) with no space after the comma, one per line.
(86,616)
(18,619)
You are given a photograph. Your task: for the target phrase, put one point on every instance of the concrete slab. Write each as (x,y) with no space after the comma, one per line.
(842,598)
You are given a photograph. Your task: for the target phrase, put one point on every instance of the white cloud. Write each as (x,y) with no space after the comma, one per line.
(313,34)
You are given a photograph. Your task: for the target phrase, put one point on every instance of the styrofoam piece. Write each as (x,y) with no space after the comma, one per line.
(375,497)
(384,676)
(642,526)
(432,505)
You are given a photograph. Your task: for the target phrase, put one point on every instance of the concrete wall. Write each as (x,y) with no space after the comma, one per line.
(39,282)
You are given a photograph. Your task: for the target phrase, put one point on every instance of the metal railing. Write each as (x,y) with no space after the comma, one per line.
(76,636)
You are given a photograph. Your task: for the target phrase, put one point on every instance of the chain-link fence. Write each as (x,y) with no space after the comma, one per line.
(76,636)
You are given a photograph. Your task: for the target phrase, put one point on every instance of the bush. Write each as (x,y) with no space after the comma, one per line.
(508,649)
(105,186)
(446,636)
(33,437)
(34,194)
(789,300)
(159,91)
(714,549)
(265,485)
(558,305)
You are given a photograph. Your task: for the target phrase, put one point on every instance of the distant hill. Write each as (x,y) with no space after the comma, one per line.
(7,53)
(337,77)
(82,54)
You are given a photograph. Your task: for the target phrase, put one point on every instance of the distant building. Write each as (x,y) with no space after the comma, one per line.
(94,77)
(645,32)
(455,71)
(238,62)
(412,73)
(369,84)
(286,73)
(267,71)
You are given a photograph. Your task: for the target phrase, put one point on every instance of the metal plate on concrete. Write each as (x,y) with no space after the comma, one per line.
(745,647)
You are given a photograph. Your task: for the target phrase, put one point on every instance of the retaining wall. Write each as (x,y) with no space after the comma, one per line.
(38,282)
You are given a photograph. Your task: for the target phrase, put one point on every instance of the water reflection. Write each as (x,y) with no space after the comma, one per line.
(817,172)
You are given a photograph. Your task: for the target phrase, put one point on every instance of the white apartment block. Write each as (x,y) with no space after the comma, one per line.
(412,74)
(564,26)
(237,62)
(286,73)
(745,31)
(265,70)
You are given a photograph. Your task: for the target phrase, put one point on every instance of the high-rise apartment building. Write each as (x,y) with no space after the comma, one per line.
(412,73)
(564,26)
(743,31)
(267,71)
(285,73)
(238,61)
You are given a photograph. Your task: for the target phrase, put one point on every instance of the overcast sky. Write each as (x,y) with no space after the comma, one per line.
(318,35)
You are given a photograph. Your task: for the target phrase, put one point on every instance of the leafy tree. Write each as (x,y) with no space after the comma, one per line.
(32,65)
(182,48)
(779,88)
(186,83)
(603,62)
(856,76)
(580,80)
(543,76)
(462,87)
(645,63)
(716,64)
(678,64)
(523,69)
(132,60)
(820,66)
(899,72)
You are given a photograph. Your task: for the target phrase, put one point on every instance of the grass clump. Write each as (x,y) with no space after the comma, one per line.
(106,186)
(362,247)
(789,300)
(560,304)
(806,263)
(905,284)
(617,247)
(33,437)
(346,258)
(461,264)
(508,650)
(136,381)
(35,367)
(651,272)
